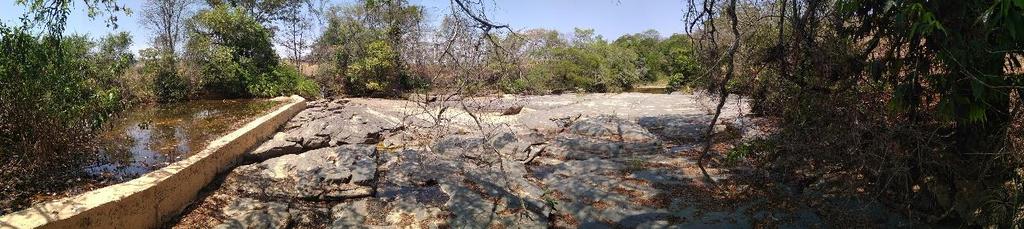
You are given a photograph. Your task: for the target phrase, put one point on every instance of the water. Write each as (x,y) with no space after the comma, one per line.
(151,137)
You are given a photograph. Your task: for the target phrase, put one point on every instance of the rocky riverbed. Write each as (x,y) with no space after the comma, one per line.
(564,161)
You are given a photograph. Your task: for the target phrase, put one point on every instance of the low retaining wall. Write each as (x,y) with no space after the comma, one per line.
(150,200)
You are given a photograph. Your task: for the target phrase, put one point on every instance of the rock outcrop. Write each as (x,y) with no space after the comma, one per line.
(334,123)
(274,147)
(590,161)
(604,137)
(328,173)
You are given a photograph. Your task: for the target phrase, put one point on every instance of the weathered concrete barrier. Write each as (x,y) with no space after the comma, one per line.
(150,200)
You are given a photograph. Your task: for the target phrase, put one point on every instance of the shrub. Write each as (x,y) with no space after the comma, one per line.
(363,47)
(306,87)
(49,106)
(376,73)
(589,63)
(168,84)
(677,81)
(234,57)
(284,80)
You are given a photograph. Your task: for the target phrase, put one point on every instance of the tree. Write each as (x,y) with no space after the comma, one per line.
(922,103)
(366,43)
(295,23)
(52,15)
(114,57)
(49,103)
(169,84)
(680,65)
(166,18)
(646,46)
(941,66)
(263,11)
(234,57)
(587,63)
(231,49)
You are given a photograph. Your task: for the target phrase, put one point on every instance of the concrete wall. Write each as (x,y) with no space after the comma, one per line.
(150,200)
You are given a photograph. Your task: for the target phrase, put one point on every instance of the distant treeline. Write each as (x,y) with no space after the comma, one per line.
(384,48)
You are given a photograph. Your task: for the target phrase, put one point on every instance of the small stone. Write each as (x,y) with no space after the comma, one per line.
(512,110)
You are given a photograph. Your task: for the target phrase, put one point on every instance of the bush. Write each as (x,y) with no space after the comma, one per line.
(589,63)
(362,48)
(284,80)
(306,87)
(926,118)
(234,57)
(677,81)
(168,84)
(50,104)
(375,74)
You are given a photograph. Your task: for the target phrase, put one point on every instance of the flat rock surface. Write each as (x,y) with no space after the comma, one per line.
(326,173)
(562,161)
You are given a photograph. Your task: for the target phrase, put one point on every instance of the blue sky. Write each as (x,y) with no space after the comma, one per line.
(609,18)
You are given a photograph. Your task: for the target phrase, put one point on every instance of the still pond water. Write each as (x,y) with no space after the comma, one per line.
(151,137)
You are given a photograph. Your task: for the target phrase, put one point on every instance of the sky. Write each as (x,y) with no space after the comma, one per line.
(609,18)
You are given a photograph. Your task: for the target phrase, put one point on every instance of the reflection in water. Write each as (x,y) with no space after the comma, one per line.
(151,137)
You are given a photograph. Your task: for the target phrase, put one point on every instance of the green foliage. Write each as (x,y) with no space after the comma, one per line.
(49,105)
(168,84)
(231,50)
(282,81)
(937,55)
(677,81)
(54,92)
(977,90)
(680,64)
(922,92)
(262,11)
(363,43)
(52,15)
(306,87)
(652,60)
(232,53)
(589,63)
(114,57)
(375,73)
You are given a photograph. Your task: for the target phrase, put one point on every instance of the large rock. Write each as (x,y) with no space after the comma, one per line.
(310,134)
(476,180)
(611,128)
(604,137)
(416,169)
(677,127)
(350,214)
(476,191)
(499,144)
(594,192)
(250,213)
(327,173)
(337,123)
(357,124)
(276,146)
